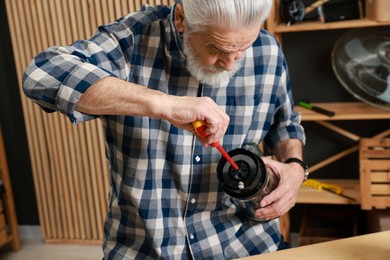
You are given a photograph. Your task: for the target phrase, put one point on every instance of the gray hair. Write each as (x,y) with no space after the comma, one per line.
(231,14)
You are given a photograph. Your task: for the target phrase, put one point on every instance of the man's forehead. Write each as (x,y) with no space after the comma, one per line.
(230,40)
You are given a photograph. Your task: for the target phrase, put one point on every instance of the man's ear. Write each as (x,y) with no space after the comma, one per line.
(179,18)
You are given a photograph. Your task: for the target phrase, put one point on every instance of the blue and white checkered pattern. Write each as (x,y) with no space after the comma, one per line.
(165,200)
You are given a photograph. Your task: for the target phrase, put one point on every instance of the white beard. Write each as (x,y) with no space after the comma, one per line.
(212,75)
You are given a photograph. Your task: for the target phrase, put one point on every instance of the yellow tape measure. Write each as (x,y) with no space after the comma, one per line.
(319,185)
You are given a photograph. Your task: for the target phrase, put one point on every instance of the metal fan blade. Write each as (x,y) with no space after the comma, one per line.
(361,62)
(355,51)
(384,52)
(385,96)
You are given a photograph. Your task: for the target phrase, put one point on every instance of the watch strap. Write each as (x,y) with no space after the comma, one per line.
(301,163)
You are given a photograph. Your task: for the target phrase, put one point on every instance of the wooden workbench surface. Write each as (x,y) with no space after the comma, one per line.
(373,246)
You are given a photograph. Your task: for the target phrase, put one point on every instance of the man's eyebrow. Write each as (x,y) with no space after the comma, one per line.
(241,48)
(216,48)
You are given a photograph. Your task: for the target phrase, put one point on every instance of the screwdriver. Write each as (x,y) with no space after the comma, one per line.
(319,185)
(199,127)
(316,108)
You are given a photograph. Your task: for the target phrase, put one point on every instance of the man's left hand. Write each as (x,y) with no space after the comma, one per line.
(283,198)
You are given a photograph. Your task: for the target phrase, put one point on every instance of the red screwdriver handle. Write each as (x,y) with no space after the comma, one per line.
(200,128)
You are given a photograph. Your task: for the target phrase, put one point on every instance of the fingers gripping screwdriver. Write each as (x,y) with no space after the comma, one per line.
(200,127)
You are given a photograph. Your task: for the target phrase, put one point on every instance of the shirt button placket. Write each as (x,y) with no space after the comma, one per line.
(196,160)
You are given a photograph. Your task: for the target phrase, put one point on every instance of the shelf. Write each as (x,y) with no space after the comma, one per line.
(344,111)
(351,188)
(9,233)
(276,27)
(317,25)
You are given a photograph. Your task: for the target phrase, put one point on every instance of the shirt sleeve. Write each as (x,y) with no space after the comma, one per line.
(57,77)
(286,121)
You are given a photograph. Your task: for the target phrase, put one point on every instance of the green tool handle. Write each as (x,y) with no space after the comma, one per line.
(316,108)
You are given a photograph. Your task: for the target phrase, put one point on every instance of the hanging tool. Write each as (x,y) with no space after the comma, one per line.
(335,189)
(200,127)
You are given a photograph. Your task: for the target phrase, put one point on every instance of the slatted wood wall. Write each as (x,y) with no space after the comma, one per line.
(69,166)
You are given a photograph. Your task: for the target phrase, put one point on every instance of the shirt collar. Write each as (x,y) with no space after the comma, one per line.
(177,37)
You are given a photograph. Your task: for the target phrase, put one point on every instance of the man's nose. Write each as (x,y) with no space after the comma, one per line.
(228,60)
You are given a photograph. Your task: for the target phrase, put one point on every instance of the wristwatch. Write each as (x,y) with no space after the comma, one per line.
(302,164)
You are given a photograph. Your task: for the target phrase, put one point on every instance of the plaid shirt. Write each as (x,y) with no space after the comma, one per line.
(165,200)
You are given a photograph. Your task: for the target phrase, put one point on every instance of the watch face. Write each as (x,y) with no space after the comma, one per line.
(296,10)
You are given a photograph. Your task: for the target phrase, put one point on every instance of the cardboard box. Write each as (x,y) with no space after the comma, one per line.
(378,220)
(321,224)
(378,10)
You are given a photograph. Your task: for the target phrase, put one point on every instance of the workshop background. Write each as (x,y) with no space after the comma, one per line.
(308,56)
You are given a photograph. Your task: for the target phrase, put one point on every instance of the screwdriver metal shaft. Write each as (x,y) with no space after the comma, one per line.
(199,127)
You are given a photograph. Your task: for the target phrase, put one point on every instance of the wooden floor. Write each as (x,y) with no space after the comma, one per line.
(33,248)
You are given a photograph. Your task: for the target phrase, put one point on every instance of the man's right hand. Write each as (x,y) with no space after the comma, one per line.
(184,110)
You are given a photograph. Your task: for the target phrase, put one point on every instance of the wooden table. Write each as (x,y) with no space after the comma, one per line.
(372,246)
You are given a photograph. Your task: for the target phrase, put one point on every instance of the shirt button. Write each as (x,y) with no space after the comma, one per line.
(192,236)
(193,200)
(197,159)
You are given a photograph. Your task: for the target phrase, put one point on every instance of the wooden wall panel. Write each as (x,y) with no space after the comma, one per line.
(69,166)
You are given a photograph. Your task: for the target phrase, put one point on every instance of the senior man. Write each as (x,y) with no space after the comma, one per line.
(148,76)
